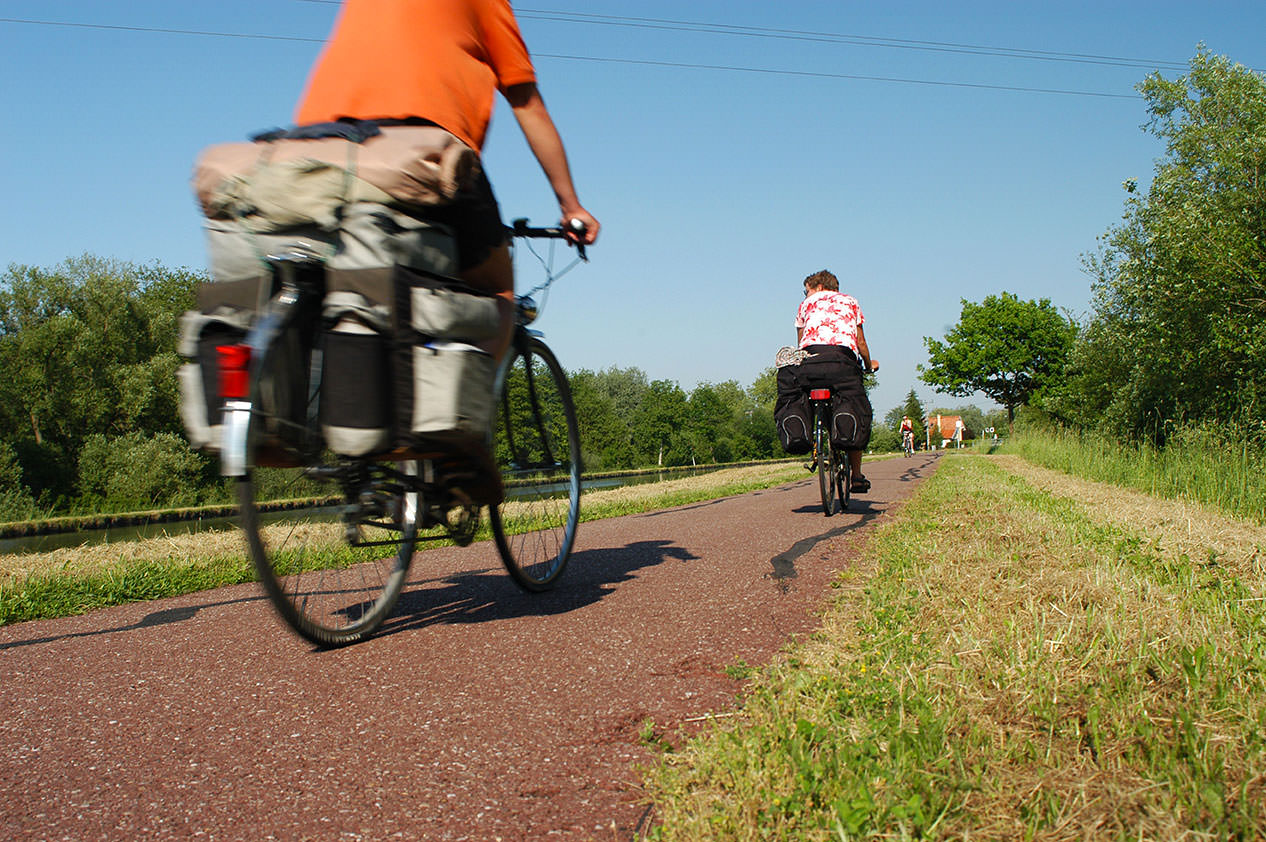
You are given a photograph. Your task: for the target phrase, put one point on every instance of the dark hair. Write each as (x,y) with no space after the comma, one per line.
(824,280)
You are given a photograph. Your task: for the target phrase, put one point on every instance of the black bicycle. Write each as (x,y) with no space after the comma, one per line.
(835,472)
(334,556)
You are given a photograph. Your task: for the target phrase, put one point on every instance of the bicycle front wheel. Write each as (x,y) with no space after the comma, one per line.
(537,449)
(827,478)
(331,538)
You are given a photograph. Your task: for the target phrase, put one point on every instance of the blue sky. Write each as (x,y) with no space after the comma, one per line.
(724,166)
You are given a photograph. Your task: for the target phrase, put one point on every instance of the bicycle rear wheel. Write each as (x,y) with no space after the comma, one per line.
(843,474)
(537,449)
(828,484)
(334,559)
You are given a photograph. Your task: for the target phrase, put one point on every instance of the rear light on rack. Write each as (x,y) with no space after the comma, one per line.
(820,394)
(235,364)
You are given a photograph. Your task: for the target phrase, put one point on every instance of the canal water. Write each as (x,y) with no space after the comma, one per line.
(115,534)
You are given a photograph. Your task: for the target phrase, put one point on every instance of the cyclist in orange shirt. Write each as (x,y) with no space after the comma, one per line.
(441,62)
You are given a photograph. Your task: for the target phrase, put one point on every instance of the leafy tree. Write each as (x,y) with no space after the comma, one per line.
(138,471)
(659,423)
(884,440)
(16,503)
(605,435)
(89,347)
(711,425)
(1179,328)
(626,387)
(764,389)
(1004,347)
(912,408)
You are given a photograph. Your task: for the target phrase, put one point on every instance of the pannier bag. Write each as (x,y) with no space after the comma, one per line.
(791,412)
(201,407)
(392,343)
(850,420)
(443,383)
(821,367)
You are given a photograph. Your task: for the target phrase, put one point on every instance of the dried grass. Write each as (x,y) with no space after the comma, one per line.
(1176,527)
(89,559)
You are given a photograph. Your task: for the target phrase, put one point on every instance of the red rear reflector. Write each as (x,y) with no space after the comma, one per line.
(819,394)
(235,363)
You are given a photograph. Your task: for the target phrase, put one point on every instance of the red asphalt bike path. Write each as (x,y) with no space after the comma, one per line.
(478,711)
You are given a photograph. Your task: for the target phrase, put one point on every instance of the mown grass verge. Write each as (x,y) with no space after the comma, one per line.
(80,579)
(1216,465)
(1006,665)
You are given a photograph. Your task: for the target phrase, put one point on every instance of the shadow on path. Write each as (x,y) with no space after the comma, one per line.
(784,564)
(490,594)
(157,618)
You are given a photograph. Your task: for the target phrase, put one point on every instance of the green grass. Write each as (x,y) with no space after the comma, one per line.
(1003,666)
(1214,465)
(50,594)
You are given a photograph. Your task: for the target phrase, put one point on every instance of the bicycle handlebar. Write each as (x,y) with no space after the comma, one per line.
(520,228)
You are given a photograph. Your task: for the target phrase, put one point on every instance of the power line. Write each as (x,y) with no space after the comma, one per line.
(840,38)
(155,29)
(600,60)
(820,75)
(828,37)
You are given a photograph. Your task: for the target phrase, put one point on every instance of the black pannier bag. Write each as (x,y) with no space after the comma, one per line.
(791,412)
(836,368)
(850,420)
(355,375)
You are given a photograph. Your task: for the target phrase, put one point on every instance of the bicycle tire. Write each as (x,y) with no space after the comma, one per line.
(536,446)
(827,481)
(844,478)
(334,565)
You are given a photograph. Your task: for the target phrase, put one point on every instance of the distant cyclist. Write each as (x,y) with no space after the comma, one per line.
(441,62)
(829,330)
(907,435)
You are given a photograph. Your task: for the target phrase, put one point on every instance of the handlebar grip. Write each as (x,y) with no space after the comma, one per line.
(578,228)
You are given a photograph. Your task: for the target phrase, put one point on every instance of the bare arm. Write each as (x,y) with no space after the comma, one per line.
(864,350)
(546,144)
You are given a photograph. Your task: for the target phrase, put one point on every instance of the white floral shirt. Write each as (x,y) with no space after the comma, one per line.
(829,318)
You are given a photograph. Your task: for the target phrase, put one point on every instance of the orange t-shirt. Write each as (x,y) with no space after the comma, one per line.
(440,60)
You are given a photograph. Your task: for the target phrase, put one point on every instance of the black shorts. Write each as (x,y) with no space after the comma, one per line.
(475,220)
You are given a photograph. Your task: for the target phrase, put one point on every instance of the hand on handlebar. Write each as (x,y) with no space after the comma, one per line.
(874,365)
(581,227)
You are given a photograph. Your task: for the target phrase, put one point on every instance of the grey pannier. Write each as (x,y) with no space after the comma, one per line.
(443,384)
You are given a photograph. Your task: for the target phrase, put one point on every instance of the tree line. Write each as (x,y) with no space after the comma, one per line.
(89,407)
(1176,337)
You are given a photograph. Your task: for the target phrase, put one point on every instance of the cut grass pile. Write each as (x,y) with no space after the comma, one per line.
(75,580)
(1023,656)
